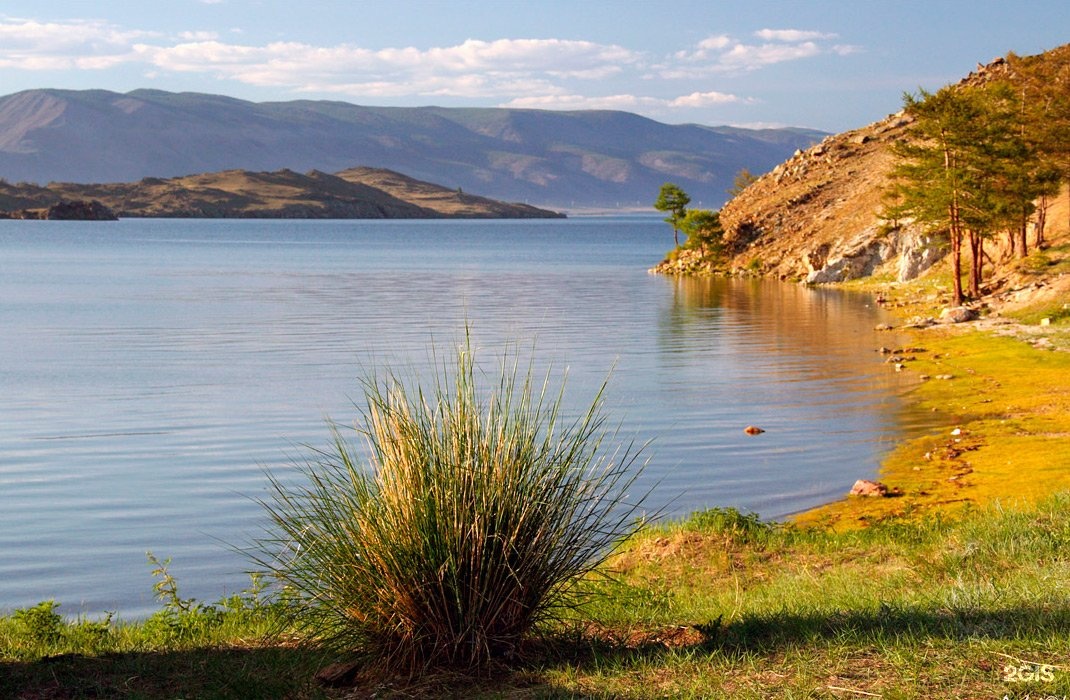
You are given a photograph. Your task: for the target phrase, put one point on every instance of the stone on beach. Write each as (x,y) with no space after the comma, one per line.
(873,489)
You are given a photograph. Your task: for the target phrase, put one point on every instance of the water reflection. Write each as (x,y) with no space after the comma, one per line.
(797,361)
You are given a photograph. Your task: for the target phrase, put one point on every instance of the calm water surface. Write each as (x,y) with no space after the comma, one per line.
(151,370)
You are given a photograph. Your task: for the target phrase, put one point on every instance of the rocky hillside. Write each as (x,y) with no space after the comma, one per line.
(359,193)
(816,217)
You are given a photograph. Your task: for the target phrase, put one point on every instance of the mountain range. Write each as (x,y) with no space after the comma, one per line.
(561,160)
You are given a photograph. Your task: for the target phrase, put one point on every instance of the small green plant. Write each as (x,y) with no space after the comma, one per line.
(743,179)
(1037,261)
(741,527)
(166,586)
(180,618)
(41,624)
(480,512)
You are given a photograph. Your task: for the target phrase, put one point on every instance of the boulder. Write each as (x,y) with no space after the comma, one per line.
(869,489)
(957,314)
(858,257)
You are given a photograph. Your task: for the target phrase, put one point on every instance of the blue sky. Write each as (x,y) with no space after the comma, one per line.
(831,65)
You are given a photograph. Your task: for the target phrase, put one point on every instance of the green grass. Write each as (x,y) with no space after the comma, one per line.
(719,605)
(234,648)
(1052,260)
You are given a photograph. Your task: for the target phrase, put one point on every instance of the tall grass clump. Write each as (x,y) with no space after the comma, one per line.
(477,513)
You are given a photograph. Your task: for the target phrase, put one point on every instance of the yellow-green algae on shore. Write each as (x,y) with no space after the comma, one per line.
(1005,436)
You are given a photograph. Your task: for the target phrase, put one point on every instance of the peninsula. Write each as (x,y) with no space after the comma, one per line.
(356,193)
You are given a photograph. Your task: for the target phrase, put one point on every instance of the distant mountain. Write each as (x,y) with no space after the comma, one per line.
(559,159)
(359,193)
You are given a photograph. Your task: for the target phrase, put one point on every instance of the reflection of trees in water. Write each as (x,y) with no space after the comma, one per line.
(800,357)
(811,332)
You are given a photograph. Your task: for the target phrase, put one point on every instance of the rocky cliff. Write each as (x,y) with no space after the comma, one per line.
(81,210)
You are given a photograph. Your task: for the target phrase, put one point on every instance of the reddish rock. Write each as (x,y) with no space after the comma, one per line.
(871,489)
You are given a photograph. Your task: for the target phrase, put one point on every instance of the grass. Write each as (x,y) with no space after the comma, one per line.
(718,605)
(234,648)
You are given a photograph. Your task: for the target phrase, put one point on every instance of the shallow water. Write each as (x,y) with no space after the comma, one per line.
(151,370)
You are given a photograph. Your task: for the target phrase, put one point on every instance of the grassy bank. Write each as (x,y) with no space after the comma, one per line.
(1005,409)
(720,605)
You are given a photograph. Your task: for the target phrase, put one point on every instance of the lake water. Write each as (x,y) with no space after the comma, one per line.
(150,371)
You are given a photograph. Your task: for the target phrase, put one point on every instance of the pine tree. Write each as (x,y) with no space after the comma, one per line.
(968,170)
(932,177)
(674,200)
(1043,84)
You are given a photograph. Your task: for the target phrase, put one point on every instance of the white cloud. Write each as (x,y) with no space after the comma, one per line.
(626,102)
(715,43)
(518,72)
(791,35)
(846,49)
(27,44)
(723,54)
(706,99)
(488,67)
(747,57)
(198,36)
(623,102)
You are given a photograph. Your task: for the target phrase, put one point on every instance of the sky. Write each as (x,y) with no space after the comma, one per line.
(832,65)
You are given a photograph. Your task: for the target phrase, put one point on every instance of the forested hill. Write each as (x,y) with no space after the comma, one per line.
(556,159)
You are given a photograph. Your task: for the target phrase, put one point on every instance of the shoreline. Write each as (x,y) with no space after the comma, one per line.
(1003,390)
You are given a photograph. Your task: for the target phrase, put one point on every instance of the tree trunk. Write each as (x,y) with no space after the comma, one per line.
(955,233)
(954,226)
(1023,243)
(956,268)
(1042,220)
(976,262)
